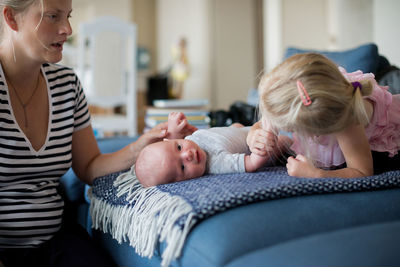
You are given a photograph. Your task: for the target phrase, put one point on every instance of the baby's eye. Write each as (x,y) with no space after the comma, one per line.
(183,167)
(180,148)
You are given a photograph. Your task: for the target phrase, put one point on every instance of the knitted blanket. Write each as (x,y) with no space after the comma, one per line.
(147,217)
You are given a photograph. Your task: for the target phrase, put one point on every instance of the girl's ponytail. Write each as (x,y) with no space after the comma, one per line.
(360,89)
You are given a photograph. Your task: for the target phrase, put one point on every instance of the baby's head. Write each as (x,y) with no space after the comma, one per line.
(170,161)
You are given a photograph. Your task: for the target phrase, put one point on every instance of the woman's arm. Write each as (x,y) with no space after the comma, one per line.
(356,150)
(88,163)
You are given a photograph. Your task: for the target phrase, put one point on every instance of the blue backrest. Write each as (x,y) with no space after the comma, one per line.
(364,57)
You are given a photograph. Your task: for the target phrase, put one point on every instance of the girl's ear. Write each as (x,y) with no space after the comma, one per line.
(9,18)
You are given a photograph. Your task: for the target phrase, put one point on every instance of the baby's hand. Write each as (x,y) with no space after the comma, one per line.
(178,126)
(262,142)
(176,122)
(301,167)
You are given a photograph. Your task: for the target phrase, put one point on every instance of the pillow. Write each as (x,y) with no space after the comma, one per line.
(364,57)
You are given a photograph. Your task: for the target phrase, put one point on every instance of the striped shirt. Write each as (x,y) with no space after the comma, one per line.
(30,207)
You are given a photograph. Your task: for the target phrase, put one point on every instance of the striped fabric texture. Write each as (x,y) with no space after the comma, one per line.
(30,207)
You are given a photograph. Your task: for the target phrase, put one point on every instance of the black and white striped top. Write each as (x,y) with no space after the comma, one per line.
(30,206)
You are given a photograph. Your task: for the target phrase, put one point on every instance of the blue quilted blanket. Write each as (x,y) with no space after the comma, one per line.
(166,213)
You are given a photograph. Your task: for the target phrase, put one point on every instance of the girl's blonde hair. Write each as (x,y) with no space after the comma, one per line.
(335,104)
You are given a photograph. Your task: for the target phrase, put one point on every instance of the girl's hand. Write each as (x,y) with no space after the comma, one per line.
(301,167)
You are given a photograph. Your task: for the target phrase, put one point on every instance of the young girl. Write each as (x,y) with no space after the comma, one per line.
(44,130)
(336,118)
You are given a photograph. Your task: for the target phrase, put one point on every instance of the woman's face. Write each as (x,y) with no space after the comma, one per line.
(42,39)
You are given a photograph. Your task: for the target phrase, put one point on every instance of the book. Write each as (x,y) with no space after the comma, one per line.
(166,111)
(204,120)
(180,103)
(198,117)
(188,117)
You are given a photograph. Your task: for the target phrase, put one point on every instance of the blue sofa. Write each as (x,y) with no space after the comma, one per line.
(317,230)
(339,229)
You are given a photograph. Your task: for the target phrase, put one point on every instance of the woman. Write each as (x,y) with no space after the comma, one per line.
(45,129)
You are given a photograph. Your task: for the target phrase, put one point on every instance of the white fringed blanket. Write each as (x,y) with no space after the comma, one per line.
(146,217)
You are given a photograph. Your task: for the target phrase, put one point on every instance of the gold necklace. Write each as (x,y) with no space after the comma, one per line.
(24,105)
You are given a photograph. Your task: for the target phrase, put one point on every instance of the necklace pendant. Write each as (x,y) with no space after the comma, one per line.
(24,105)
(25,118)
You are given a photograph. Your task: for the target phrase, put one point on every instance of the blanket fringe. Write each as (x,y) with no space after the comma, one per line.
(151,220)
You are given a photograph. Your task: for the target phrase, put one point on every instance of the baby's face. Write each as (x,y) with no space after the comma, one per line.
(176,160)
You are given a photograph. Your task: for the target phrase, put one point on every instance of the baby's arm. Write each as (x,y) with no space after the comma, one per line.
(178,126)
(355,147)
(265,142)
(253,162)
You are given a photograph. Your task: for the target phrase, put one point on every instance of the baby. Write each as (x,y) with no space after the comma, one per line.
(214,150)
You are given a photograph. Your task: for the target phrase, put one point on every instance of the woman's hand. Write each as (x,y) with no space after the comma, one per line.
(302,167)
(158,133)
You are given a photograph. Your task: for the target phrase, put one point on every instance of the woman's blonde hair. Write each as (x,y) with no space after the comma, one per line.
(18,5)
(335,103)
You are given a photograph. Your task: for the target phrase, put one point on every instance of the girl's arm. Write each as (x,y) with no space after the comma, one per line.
(88,163)
(356,150)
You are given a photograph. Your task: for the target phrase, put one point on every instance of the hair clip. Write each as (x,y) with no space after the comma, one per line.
(355,86)
(305,98)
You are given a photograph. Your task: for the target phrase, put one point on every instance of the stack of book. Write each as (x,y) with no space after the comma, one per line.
(196,112)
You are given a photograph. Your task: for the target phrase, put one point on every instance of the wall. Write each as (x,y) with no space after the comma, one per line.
(350,23)
(304,24)
(86,10)
(293,23)
(235,51)
(331,25)
(144,16)
(222,46)
(191,20)
(386,28)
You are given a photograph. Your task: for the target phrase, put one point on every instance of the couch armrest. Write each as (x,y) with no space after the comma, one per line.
(74,190)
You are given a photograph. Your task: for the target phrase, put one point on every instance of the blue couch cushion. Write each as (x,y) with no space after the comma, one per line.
(364,57)
(108,145)
(367,246)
